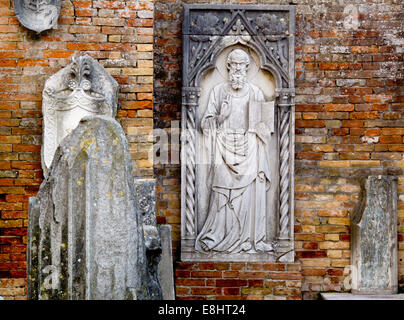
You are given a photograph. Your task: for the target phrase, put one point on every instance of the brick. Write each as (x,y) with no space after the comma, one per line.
(339,221)
(231,291)
(182,291)
(287,291)
(207,266)
(273,266)
(309,108)
(365,163)
(316,262)
(206,274)
(311,254)
(254,275)
(231,283)
(108,4)
(231,274)
(334,245)
(330,229)
(238,265)
(311,48)
(82,46)
(286,275)
(190,282)
(182,273)
(7,63)
(222,265)
(310,245)
(333,213)
(10,223)
(274,283)
(334,163)
(390,139)
(309,237)
(206,291)
(256,291)
(310,271)
(254,266)
(310,123)
(12,291)
(340,263)
(334,254)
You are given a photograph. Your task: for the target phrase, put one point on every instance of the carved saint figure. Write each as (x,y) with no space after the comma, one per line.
(239,175)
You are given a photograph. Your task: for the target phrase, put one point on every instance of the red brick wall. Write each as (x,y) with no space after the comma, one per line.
(349,124)
(238,281)
(117,33)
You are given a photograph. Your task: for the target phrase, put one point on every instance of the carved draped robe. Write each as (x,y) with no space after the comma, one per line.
(238,177)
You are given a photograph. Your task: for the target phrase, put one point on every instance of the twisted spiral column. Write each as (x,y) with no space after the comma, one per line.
(190,173)
(284,173)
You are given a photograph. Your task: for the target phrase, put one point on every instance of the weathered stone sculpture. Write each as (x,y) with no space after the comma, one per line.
(239,177)
(237,133)
(165,267)
(37,15)
(86,232)
(82,88)
(160,258)
(374,238)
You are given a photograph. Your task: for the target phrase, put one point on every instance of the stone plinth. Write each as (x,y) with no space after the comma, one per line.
(374,238)
(350,296)
(86,233)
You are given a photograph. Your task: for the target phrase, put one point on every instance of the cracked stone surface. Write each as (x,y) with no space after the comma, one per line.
(86,232)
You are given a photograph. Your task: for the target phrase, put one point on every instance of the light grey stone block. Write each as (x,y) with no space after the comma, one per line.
(374,238)
(165,268)
(86,232)
(350,296)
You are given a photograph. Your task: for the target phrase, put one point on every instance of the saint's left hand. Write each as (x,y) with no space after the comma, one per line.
(262,130)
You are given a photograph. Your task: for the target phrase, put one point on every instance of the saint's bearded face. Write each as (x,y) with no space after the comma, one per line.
(237,75)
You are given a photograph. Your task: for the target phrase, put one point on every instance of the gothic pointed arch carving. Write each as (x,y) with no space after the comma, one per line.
(265,33)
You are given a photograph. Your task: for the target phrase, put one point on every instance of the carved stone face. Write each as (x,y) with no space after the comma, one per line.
(238,75)
(37,15)
(237,63)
